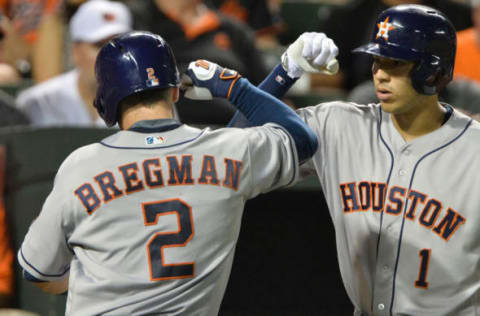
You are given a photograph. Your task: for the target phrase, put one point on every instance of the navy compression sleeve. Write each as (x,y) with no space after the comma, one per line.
(277,84)
(260,107)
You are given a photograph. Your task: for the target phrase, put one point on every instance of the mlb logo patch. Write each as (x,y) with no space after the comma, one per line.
(152,82)
(154,140)
(280,80)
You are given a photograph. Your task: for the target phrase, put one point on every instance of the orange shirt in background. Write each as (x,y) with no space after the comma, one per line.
(6,251)
(467,62)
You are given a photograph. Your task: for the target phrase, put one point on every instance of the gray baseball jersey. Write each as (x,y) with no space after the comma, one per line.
(147,221)
(406,214)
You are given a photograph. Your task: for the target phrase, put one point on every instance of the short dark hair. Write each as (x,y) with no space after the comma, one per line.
(146,97)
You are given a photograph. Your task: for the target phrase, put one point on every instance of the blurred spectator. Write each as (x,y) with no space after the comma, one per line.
(463,93)
(68,98)
(6,251)
(35,42)
(346,24)
(9,75)
(467,62)
(6,264)
(9,116)
(263,16)
(196,32)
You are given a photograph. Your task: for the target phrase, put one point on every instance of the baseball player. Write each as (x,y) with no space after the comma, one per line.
(399,177)
(145,222)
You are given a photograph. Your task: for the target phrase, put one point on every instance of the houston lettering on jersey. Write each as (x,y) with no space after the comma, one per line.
(430,212)
(134,177)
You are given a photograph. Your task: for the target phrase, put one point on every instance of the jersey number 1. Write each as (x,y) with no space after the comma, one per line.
(421,281)
(159,270)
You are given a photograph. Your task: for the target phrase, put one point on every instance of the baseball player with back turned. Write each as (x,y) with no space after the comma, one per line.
(400,177)
(145,222)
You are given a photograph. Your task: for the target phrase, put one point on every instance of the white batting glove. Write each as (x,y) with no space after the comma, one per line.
(311,52)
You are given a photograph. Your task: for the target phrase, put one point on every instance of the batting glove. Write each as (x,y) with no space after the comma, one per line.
(205,80)
(311,52)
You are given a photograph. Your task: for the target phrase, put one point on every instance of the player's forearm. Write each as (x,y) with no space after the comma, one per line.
(206,80)
(260,107)
(277,83)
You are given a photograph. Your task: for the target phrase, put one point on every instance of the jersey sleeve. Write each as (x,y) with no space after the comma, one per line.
(273,158)
(323,120)
(45,253)
(331,122)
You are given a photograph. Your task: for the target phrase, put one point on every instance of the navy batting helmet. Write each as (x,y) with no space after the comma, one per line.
(420,34)
(129,64)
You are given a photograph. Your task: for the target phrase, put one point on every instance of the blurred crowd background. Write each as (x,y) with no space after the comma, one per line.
(48,50)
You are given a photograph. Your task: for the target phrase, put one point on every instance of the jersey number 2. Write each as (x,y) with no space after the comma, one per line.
(159,270)
(421,281)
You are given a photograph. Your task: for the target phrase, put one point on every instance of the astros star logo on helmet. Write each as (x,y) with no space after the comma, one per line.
(384,27)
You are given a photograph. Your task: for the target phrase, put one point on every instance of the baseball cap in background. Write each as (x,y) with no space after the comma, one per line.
(97,20)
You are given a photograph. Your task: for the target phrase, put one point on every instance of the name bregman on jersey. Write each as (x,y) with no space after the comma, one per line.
(150,174)
(430,213)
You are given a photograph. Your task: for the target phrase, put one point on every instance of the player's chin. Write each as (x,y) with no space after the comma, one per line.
(388,106)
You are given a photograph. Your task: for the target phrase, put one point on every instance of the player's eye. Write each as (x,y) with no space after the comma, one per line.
(399,63)
(387,64)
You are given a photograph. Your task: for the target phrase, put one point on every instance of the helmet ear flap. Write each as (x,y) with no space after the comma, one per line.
(99,104)
(427,79)
(434,78)
(430,81)
(442,79)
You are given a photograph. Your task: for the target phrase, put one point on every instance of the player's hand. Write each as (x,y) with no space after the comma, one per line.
(311,52)
(205,80)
